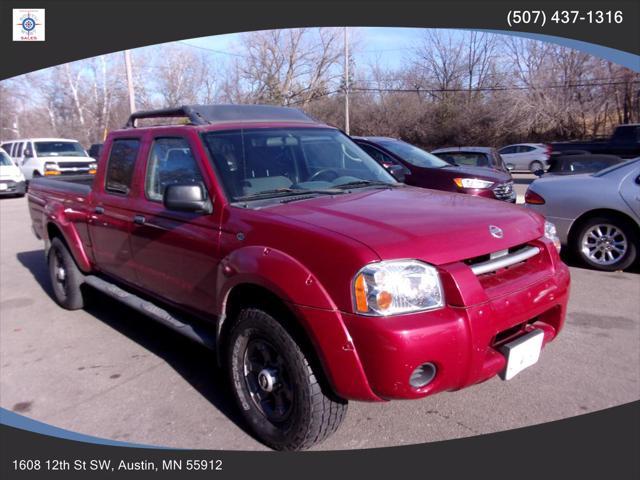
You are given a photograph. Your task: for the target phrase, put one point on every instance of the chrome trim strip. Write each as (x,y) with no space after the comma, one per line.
(505,261)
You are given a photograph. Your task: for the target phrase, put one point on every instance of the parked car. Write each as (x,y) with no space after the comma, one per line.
(625,143)
(39,157)
(422,169)
(316,276)
(11,179)
(486,157)
(597,216)
(526,156)
(95,150)
(575,164)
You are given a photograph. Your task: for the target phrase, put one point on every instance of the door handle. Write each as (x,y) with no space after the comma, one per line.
(139,220)
(99,210)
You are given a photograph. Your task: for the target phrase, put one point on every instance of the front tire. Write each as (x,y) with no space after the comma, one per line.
(66,278)
(276,387)
(606,244)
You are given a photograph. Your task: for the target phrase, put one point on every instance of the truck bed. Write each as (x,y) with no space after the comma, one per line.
(68,183)
(56,192)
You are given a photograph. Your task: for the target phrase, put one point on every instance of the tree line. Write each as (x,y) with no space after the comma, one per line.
(450,88)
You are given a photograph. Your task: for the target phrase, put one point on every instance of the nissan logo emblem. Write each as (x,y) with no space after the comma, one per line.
(496,232)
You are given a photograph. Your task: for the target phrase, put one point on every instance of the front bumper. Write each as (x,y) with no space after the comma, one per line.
(462,341)
(12,187)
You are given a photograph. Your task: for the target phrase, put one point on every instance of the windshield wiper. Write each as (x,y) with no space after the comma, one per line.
(284,192)
(366,183)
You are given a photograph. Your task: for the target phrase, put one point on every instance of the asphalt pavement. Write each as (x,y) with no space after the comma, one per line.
(110,372)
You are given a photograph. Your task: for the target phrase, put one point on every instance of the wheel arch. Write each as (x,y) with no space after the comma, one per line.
(70,238)
(247,295)
(279,283)
(600,212)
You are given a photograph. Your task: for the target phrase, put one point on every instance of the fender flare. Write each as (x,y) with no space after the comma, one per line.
(64,221)
(309,303)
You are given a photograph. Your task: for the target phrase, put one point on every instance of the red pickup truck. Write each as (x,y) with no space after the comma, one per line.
(316,276)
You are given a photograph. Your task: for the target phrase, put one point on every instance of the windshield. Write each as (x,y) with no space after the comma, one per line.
(5,161)
(414,155)
(471,159)
(59,149)
(272,162)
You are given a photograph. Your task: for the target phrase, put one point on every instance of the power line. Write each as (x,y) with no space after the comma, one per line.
(490,89)
(222,52)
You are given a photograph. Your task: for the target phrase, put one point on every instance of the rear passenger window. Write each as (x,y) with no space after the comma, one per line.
(122,160)
(171,162)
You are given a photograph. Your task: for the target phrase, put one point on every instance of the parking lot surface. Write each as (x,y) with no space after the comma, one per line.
(110,372)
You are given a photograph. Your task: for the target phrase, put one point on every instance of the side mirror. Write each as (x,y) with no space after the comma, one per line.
(186,198)
(398,171)
(538,173)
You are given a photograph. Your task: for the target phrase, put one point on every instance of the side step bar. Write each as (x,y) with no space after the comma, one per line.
(194,332)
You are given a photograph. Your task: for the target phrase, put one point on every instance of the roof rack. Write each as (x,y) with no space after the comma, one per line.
(210,114)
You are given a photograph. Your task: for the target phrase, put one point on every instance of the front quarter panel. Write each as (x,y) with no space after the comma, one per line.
(311,305)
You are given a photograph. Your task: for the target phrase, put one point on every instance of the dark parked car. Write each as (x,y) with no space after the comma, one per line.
(625,142)
(574,164)
(486,157)
(95,150)
(416,167)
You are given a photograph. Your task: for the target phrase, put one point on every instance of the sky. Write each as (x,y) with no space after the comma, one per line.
(387,45)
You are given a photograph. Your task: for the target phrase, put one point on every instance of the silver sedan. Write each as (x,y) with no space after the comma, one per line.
(597,216)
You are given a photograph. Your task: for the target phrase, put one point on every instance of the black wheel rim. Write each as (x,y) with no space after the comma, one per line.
(268,380)
(59,273)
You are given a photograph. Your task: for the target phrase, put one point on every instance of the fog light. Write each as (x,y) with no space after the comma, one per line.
(423,375)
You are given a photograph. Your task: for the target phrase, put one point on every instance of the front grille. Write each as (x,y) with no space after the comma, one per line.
(11,185)
(66,165)
(485,258)
(503,191)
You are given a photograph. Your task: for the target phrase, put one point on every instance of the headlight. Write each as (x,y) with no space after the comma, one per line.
(398,286)
(472,183)
(92,168)
(51,168)
(552,234)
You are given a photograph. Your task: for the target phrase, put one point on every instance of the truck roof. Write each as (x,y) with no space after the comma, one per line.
(43,139)
(201,115)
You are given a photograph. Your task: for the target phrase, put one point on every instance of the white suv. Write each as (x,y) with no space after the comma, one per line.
(526,156)
(38,157)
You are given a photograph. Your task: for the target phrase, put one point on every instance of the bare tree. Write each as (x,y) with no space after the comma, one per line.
(287,66)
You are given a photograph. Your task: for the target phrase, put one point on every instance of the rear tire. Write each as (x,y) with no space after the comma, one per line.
(607,244)
(275,386)
(66,278)
(535,166)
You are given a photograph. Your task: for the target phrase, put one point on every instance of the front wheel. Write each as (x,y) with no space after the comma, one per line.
(66,277)
(607,244)
(276,387)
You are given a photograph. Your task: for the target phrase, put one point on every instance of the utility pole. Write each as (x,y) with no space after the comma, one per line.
(132,93)
(346,80)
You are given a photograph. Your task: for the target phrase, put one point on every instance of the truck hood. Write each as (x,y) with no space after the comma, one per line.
(406,222)
(490,174)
